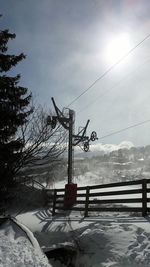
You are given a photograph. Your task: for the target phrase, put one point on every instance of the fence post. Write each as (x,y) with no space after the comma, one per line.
(54,202)
(87,201)
(144,197)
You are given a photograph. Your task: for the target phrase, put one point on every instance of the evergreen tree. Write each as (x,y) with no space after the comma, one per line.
(14,111)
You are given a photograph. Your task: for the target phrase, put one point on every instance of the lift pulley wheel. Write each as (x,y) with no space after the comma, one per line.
(93,136)
(53,122)
(86,146)
(48,120)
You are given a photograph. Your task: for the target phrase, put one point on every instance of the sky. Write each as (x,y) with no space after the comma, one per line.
(70,44)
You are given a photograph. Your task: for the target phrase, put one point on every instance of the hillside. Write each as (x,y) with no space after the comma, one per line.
(103,164)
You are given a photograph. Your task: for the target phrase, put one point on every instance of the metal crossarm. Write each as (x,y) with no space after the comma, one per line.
(81,138)
(62,120)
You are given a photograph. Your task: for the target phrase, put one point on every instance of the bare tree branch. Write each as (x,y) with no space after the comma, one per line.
(41,142)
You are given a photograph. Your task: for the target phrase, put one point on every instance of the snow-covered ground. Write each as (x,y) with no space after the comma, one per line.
(100,240)
(103,240)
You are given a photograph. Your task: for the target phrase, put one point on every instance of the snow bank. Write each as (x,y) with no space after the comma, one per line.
(114,244)
(18,247)
(106,240)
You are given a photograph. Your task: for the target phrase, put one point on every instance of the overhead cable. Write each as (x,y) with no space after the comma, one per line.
(113,87)
(124,129)
(110,69)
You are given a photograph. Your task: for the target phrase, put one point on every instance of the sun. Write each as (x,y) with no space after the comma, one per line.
(117,47)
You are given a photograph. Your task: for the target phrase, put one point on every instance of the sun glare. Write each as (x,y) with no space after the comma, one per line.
(117,47)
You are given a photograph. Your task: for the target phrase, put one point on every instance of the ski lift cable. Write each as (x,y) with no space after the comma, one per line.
(114,86)
(110,69)
(124,129)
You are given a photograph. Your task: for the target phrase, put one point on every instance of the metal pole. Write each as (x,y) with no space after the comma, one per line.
(70,148)
(68,124)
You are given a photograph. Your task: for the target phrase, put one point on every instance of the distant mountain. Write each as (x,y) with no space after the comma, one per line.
(100,149)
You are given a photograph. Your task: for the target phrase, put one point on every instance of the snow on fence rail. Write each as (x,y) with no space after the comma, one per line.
(133,196)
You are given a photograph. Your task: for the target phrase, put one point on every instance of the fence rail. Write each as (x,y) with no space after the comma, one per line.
(106,197)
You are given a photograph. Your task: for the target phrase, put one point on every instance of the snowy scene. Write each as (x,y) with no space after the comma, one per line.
(74,133)
(101,239)
(115,239)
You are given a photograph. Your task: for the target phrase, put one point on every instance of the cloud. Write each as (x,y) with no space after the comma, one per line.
(107,148)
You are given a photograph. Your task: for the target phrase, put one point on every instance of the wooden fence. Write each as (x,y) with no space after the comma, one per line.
(132,196)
